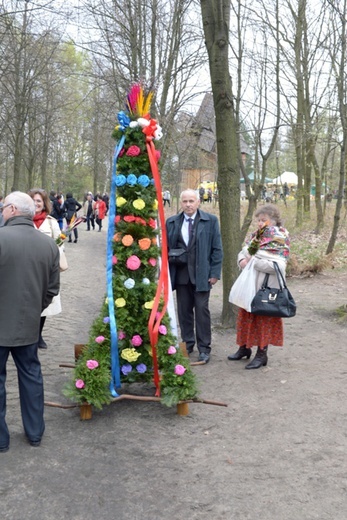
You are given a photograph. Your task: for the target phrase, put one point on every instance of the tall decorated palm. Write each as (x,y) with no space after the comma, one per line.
(132,339)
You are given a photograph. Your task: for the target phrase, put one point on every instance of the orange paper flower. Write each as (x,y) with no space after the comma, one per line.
(145,243)
(117,237)
(127,240)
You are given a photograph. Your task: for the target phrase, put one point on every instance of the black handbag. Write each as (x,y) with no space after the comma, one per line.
(277,303)
(178,256)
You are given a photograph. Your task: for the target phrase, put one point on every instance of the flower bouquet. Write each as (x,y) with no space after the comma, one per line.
(256,239)
(67,231)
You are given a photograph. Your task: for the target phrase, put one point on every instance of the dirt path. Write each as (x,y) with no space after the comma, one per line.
(277,452)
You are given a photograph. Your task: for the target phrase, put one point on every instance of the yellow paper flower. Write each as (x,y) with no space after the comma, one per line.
(139,204)
(155,204)
(120,201)
(106,301)
(120,302)
(149,305)
(130,354)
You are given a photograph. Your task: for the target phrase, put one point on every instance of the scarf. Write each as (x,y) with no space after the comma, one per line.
(39,218)
(273,239)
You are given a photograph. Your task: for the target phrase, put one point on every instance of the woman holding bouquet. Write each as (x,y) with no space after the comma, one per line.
(49,226)
(270,243)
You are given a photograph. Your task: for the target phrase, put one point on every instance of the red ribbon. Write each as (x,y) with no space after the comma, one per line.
(163,283)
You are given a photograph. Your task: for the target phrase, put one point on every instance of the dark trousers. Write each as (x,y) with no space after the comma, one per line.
(74,231)
(190,303)
(30,383)
(90,220)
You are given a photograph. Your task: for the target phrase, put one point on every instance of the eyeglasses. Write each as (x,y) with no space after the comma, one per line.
(6,206)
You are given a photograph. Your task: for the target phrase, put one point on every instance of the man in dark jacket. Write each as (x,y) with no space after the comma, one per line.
(29,271)
(194,273)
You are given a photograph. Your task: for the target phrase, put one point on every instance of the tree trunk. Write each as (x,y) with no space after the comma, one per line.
(216,16)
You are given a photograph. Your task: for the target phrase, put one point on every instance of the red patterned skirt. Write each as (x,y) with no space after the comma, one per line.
(258,331)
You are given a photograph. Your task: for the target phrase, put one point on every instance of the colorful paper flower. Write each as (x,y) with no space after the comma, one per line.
(120,302)
(99,339)
(129,218)
(92,364)
(143,122)
(139,204)
(117,237)
(130,354)
(120,180)
(157,155)
(149,305)
(127,240)
(123,119)
(171,350)
(131,179)
(133,262)
(106,319)
(134,124)
(179,370)
(155,205)
(143,180)
(120,201)
(145,281)
(152,262)
(114,260)
(133,151)
(144,244)
(121,335)
(162,329)
(152,223)
(79,383)
(136,340)
(129,283)
(126,369)
(141,368)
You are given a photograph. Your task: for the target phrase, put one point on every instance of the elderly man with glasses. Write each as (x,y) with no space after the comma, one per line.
(29,271)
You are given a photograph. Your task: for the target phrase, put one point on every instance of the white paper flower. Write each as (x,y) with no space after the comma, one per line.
(146,281)
(143,122)
(133,124)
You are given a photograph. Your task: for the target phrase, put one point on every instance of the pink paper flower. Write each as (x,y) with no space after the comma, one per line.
(79,383)
(157,314)
(92,363)
(121,335)
(179,370)
(152,262)
(100,339)
(136,340)
(157,154)
(114,260)
(171,350)
(162,329)
(121,152)
(133,151)
(133,263)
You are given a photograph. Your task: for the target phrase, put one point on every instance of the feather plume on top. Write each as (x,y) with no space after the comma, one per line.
(138,103)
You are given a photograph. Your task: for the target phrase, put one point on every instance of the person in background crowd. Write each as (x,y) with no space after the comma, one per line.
(106,199)
(100,211)
(88,211)
(201,194)
(57,207)
(48,225)
(198,233)
(29,265)
(71,206)
(167,198)
(272,246)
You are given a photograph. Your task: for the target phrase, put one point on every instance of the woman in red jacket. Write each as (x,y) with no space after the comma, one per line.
(100,211)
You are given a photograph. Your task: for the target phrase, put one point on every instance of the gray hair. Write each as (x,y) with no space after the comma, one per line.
(191,191)
(23,203)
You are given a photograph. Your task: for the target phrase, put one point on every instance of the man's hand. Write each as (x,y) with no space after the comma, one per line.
(212,281)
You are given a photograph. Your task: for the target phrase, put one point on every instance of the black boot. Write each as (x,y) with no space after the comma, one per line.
(241,353)
(259,360)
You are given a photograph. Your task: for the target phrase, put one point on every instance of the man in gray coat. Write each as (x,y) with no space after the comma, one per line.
(195,272)
(29,271)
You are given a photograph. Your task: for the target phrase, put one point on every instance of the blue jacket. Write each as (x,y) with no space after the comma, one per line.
(209,252)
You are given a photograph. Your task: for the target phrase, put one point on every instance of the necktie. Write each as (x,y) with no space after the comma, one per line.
(190,227)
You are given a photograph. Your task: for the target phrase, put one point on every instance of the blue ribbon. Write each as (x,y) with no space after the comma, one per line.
(115,369)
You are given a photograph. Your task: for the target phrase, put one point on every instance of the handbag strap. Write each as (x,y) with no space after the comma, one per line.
(280,276)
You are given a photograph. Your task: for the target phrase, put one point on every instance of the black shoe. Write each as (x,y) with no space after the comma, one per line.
(259,360)
(204,357)
(69,241)
(35,444)
(189,349)
(241,353)
(42,343)
(4,449)
(75,241)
